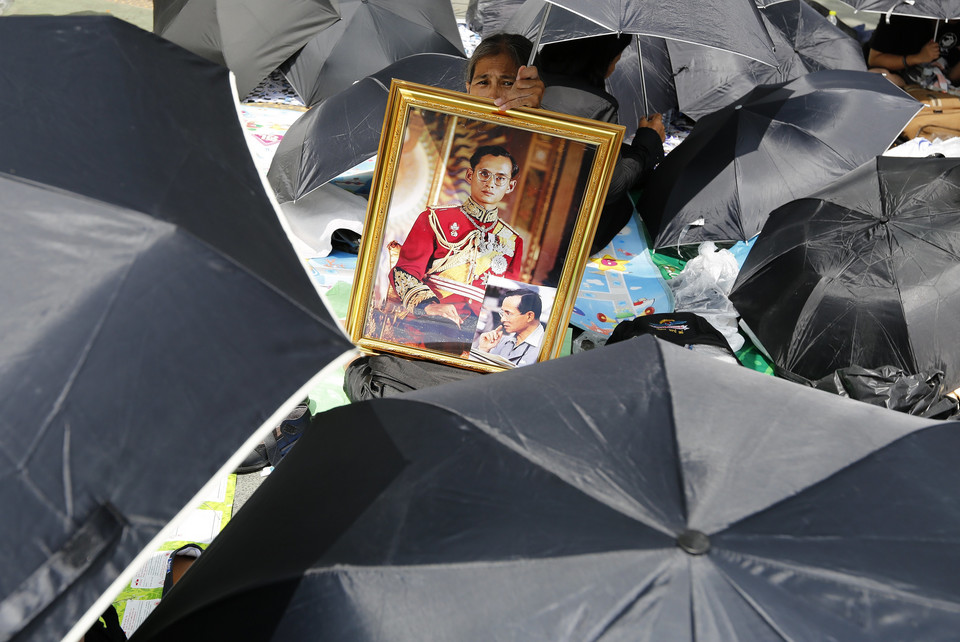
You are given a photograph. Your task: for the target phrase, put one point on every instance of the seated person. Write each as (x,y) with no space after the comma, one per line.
(520,320)
(913,50)
(575,72)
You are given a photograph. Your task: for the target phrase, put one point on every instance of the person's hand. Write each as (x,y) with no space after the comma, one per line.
(929,53)
(527,91)
(445,310)
(654,122)
(488,340)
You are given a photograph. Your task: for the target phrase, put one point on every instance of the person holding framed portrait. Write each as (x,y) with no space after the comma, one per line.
(465,195)
(449,253)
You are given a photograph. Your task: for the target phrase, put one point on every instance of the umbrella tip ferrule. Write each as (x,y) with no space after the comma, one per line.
(693,542)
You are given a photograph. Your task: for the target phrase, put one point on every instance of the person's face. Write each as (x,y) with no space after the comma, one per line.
(511,318)
(492,76)
(490,180)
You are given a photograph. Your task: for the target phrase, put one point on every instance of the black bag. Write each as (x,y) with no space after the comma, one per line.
(385,375)
(889,387)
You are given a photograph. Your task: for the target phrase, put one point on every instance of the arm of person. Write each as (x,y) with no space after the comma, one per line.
(638,158)
(408,273)
(527,90)
(636,163)
(444,310)
(896,62)
(489,340)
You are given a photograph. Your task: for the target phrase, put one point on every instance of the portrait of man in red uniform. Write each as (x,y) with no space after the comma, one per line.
(450,252)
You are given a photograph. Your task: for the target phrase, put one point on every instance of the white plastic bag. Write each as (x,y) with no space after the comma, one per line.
(702,288)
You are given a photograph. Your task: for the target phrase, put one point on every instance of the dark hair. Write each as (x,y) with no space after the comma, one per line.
(513,44)
(529,301)
(494,150)
(587,58)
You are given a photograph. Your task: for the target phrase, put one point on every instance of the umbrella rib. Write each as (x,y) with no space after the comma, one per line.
(72,379)
(534,458)
(759,610)
(626,603)
(58,406)
(923,240)
(585,17)
(814,137)
(893,274)
(736,194)
(795,355)
(464,565)
(657,35)
(705,46)
(840,577)
(676,445)
(240,266)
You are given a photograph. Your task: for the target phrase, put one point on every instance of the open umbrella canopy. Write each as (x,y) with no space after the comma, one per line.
(646,88)
(805,42)
(654,91)
(944,9)
(345,129)
(155,320)
(865,272)
(776,144)
(726,25)
(486,17)
(699,80)
(251,37)
(371,35)
(586,499)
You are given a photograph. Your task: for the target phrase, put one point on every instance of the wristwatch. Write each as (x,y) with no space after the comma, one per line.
(905,63)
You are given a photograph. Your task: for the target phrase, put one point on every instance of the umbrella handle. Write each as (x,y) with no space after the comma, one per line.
(536,43)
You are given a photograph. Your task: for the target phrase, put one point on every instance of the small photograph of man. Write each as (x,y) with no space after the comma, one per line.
(512,323)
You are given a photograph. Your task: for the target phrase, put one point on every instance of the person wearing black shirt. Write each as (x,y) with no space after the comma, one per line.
(575,72)
(907,41)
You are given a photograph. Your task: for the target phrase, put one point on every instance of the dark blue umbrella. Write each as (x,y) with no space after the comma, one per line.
(775,144)
(636,492)
(155,320)
(345,129)
(861,273)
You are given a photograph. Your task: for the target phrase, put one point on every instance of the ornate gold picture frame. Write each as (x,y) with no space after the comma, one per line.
(478,228)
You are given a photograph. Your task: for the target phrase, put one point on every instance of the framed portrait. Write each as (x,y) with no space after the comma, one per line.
(478,228)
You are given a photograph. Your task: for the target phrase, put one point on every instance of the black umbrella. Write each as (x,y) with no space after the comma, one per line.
(154,314)
(862,273)
(699,80)
(945,9)
(727,25)
(588,498)
(251,37)
(371,35)
(734,27)
(778,143)
(804,42)
(486,17)
(345,129)
(652,93)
